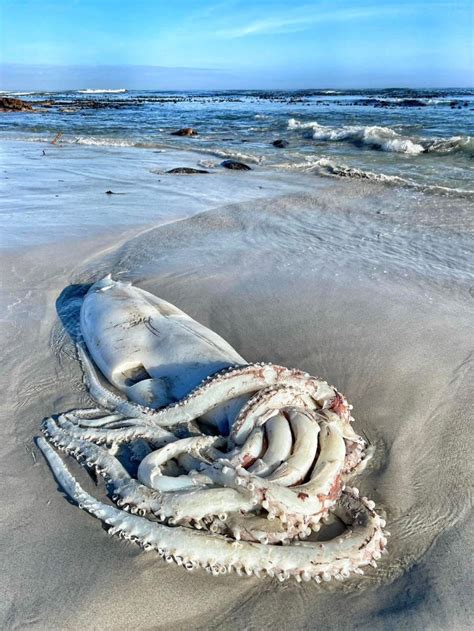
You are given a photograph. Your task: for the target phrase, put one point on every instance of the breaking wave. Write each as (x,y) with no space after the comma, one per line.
(93,141)
(105,142)
(234,155)
(320,165)
(327,167)
(11,93)
(384,138)
(102,91)
(324,166)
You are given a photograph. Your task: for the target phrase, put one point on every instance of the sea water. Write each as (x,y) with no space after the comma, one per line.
(411,138)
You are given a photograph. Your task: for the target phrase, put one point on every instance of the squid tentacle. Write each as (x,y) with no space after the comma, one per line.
(360,546)
(212,392)
(194,505)
(109,436)
(237,473)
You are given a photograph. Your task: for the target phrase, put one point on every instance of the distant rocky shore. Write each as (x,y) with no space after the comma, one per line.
(8,104)
(74,104)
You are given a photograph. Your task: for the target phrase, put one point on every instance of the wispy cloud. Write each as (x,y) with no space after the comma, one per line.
(304,17)
(268,26)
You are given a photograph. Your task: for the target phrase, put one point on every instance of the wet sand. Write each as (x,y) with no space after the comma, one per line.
(364,285)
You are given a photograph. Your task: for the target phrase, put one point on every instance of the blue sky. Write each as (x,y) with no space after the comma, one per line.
(199,44)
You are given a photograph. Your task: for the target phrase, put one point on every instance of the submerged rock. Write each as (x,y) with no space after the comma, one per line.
(280,143)
(186,131)
(8,104)
(412,103)
(186,171)
(235,165)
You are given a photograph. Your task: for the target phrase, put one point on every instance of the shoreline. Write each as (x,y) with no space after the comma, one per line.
(210,157)
(144,194)
(417,138)
(66,189)
(305,272)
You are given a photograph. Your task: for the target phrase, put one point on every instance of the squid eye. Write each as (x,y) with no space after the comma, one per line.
(135,374)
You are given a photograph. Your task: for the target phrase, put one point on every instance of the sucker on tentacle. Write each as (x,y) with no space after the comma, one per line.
(218,389)
(236,463)
(307,561)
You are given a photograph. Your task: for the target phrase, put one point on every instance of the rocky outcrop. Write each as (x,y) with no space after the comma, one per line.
(186,131)
(235,165)
(185,171)
(8,104)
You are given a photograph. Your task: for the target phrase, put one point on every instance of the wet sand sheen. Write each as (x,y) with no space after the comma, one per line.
(299,279)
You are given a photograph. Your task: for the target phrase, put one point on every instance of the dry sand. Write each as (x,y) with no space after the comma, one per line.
(312,275)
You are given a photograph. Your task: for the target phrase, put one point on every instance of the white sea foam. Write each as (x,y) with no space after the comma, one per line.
(92,141)
(112,142)
(236,155)
(106,141)
(326,167)
(451,145)
(17,93)
(382,138)
(101,142)
(329,167)
(372,136)
(102,91)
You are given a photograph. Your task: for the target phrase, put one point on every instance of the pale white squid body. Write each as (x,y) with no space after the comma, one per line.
(149,349)
(239,462)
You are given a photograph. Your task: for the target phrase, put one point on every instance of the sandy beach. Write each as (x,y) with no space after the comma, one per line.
(365,285)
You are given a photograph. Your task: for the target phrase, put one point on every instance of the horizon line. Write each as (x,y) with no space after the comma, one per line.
(263,89)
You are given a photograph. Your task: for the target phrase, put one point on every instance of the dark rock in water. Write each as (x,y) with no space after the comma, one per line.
(8,104)
(377,102)
(281,144)
(75,105)
(412,103)
(186,171)
(186,131)
(235,165)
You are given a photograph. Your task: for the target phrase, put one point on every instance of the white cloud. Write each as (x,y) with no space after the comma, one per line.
(301,19)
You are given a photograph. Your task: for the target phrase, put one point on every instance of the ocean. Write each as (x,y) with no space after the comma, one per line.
(422,139)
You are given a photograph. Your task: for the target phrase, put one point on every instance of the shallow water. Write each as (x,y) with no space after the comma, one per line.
(57,194)
(410,137)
